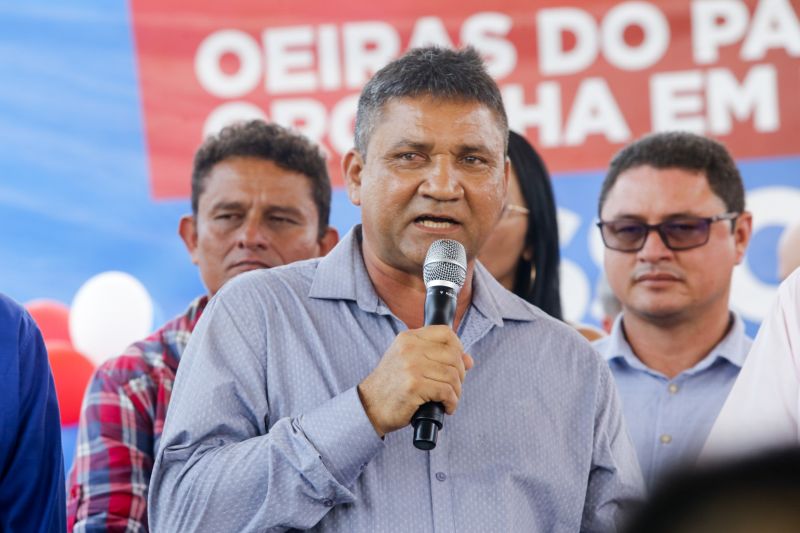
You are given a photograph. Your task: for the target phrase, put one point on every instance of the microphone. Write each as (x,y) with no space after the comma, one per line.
(444,272)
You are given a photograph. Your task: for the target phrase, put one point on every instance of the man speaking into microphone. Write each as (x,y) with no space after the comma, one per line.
(293,404)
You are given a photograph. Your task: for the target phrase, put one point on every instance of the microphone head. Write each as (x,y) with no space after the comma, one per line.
(446,262)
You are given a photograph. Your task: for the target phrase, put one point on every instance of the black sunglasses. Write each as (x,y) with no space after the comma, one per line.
(681,233)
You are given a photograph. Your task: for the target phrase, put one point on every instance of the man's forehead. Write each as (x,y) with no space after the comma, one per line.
(646,191)
(244,178)
(248,171)
(415,111)
(654,181)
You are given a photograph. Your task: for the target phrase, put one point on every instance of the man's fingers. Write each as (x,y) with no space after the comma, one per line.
(448,375)
(440,334)
(444,393)
(468,361)
(446,357)
(423,365)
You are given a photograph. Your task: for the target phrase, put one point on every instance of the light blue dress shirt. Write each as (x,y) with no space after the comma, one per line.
(266,431)
(669,419)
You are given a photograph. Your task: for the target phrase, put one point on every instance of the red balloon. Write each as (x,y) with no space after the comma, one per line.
(71,373)
(52,317)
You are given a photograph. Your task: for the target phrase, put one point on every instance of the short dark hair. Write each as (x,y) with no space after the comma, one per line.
(271,142)
(685,151)
(457,75)
(542,235)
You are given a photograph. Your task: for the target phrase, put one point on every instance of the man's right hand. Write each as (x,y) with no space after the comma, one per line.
(422,365)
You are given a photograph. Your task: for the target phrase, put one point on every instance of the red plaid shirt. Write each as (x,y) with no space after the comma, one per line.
(122,418)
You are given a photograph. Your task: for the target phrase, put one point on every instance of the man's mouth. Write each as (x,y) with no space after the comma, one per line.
(657,276)
(250,263)
(435,222)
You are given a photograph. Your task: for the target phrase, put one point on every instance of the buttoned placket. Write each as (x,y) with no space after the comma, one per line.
(441,490)
(671,389)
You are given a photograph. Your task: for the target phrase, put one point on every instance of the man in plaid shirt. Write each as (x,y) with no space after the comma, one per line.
(260,198)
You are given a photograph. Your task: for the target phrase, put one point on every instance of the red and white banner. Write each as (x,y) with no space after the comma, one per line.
(580,79)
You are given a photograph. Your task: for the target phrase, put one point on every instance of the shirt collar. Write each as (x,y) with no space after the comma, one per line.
(495,302)
(733,347)
(175,334)
(195,310)
(342,275)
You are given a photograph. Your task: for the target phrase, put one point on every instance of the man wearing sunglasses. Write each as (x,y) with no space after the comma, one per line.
(674,225)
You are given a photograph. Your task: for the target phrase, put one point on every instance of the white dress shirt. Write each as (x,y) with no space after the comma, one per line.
(762,409)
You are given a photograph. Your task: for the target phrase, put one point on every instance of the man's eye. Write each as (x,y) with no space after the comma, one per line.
(473,160)
(687,229)
(281,220)
(686,226)
(627,229)
(409,156)
(227,216)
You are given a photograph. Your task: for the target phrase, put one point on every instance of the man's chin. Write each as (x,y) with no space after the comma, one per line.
(423,240)
(663,314)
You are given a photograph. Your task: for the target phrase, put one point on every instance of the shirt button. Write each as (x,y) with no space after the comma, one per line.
(327,503)
(673,388)
(441,476)
(665,439)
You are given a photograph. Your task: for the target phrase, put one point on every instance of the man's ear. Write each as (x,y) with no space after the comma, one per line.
(741,234)
(187,229)
(328,241)
(352,166)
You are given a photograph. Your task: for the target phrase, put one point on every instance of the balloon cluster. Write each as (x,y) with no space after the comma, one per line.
(109,312)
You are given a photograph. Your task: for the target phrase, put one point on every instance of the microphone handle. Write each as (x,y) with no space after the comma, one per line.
(440,309)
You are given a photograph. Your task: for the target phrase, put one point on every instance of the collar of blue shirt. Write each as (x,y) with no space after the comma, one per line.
(489,298)
(732,348)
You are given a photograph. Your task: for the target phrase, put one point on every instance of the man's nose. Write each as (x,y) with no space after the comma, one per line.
(253,234)
(443,181)
(654,249)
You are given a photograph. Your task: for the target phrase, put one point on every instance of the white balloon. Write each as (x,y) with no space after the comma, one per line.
(575,291)
(109,312)
(569,222)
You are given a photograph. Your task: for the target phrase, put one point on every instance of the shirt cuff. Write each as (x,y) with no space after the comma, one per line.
(343,435)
